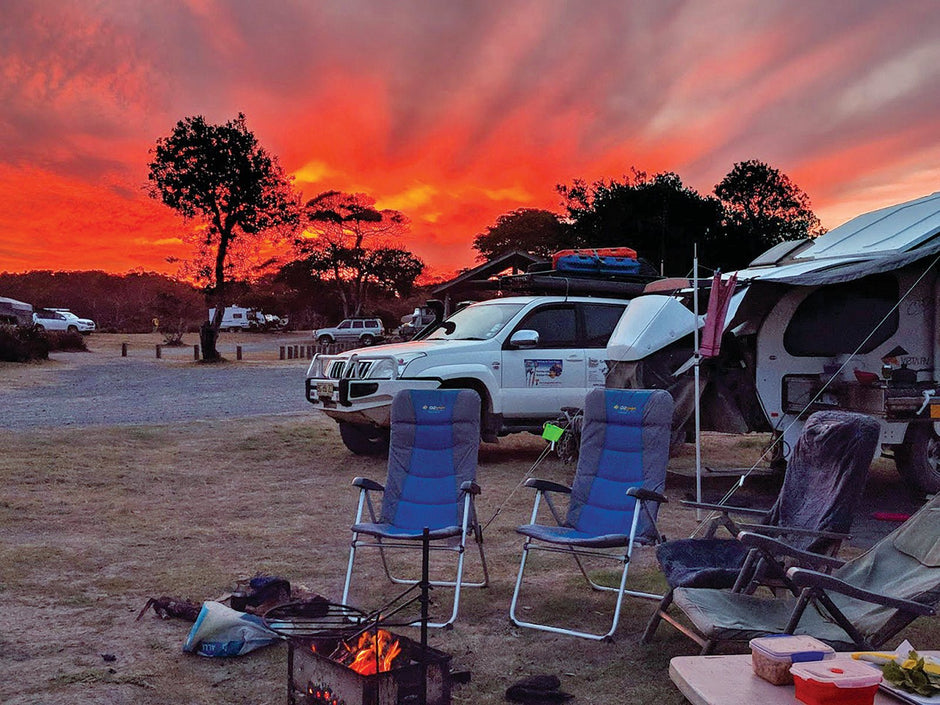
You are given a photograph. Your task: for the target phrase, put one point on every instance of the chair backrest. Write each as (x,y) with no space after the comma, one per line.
(825,477)
(435,437)
(905,564)
(624,443)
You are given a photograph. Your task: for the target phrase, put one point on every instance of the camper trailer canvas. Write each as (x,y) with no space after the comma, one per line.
(848,320)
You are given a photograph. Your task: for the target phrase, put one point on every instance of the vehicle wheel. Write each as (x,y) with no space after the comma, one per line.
(40,327)
(366,340)
(363,439)
(72,329)
(918,458)
(324,340)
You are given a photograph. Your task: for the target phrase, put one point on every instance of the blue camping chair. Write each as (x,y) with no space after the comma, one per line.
(615,495)
(432,465)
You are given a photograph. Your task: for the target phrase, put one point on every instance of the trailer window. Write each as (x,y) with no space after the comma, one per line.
(838,319)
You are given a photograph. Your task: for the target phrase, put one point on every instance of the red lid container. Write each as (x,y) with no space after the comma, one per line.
(835,682)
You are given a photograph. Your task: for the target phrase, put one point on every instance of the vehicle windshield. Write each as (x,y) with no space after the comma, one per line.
(476,322)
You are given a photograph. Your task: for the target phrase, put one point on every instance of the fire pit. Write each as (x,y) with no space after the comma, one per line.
(339,655)
(315,676)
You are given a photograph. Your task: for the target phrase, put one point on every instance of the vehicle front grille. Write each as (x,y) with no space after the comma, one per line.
(360,371)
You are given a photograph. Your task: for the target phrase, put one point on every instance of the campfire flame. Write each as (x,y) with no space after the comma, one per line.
(374,653)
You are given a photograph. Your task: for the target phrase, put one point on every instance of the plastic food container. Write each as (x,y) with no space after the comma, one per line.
(836,682)
(772,656)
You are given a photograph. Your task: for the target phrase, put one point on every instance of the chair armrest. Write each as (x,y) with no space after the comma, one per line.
(804,578)
(367,484)
(645,495)
(776,548)
(724,508)
(470,487)
(768,530)
(547,485)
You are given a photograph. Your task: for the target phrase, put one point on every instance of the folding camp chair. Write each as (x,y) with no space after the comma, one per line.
(861,605)
(621,469)
(813,512)
(432,464)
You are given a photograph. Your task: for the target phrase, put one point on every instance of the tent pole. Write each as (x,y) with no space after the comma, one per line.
(698,359)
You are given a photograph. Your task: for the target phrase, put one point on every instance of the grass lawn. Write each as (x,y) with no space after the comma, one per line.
(96,521)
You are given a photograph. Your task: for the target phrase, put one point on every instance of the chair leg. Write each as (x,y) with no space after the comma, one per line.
(657,617)
(561,630)
(349,569)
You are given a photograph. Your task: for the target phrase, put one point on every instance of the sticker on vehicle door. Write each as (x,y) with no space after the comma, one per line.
(543,373)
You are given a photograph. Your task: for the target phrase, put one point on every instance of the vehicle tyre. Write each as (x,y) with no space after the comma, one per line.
(366,340)
(72,329)
(40,327)
(364,439)
(325,340)
(918,458)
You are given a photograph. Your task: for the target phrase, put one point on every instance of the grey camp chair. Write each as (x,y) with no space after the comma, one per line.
(432,465)
(861,605)
(621,470)
(821,490)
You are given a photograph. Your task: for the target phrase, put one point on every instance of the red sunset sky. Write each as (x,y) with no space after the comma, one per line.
(454,111)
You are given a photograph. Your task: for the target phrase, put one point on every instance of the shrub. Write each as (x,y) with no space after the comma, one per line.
(67,342)
(23,343)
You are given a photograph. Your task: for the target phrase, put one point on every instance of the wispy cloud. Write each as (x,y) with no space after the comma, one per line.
(454,112)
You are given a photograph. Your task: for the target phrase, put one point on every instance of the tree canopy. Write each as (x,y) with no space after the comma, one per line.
(222,176)
(762,207)
(656,215)
(532,230)
(350,243)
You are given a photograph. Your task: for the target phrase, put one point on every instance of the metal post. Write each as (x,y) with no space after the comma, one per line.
(238,352)
(123,349)
(283,353)
(159,352)
(196,353)
(425,599)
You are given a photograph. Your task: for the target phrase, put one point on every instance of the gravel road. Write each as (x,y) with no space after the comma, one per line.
(128,391)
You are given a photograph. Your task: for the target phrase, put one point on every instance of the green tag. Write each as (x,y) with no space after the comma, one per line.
(552,433)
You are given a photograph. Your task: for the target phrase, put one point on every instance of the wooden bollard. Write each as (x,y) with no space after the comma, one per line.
(238,352)
(159,351)
(290,352)
(196,352)
(283,353)
(123,349)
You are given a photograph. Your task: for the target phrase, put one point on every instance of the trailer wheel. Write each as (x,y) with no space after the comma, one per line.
(918,458)
(363,439)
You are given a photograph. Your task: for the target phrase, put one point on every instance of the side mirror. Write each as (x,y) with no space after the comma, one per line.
(524,339)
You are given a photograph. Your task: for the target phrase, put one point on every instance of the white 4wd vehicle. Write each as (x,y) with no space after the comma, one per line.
(62,319)
(365,331)
(526,356)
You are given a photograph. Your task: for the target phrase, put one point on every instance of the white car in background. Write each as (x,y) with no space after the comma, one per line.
(61,319)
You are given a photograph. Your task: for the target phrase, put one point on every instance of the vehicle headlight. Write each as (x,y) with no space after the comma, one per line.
(386,368)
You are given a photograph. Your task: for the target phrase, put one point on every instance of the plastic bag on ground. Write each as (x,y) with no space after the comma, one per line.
(221,631)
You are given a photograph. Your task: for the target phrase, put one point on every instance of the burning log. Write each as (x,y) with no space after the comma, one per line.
(374,653)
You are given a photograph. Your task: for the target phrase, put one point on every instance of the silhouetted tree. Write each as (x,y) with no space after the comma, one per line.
(762,207)
(538,232)
(348,242)
(221,175)
(656,215)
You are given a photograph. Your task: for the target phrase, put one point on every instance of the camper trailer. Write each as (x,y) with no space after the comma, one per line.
(236,318)
(848,320)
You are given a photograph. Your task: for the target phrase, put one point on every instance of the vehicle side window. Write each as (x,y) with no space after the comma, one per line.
(599,322)
(344,325)
(371,324)
(237,315)
(556,325)
(357,324)
(837,319)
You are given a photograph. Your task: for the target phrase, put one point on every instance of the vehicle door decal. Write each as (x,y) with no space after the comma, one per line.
(542,373)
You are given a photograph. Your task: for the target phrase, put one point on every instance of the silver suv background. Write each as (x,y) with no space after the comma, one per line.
(364,331)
